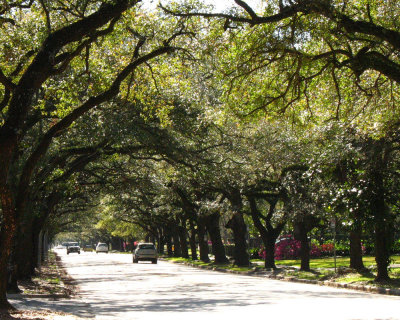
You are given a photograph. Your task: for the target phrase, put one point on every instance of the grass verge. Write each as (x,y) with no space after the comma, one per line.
(51,279)
(322,269)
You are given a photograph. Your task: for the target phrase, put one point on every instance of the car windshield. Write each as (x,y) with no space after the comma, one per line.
(102,245)
(146,246)
(73,244)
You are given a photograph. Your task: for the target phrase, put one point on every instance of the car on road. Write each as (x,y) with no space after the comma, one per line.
(73,247)
(102,247)
(145,252)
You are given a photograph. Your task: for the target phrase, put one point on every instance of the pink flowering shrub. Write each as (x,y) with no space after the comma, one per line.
(315,250)
(287,248)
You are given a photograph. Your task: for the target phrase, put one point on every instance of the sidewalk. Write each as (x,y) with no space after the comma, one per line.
(49,308)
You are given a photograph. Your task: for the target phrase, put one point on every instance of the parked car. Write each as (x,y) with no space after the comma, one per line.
(102,247)
(145,252)
(73,247)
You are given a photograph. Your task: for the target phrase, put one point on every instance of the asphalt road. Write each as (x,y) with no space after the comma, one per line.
(112,287)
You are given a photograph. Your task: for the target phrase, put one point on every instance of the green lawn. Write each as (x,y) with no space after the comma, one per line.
(322,269)
(329,262)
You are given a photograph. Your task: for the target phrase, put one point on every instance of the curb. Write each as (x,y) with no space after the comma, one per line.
(264,274)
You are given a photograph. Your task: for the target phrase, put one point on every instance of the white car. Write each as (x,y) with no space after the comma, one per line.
(145,252)
(102,247)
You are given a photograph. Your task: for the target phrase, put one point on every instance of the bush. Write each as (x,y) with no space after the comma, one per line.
(396,247)
(289,248)
(327,249)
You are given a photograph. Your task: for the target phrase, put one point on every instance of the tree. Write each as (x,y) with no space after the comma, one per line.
(294,46)
(315,61)
(68,41)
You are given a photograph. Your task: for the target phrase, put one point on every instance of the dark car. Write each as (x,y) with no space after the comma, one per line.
(73,247)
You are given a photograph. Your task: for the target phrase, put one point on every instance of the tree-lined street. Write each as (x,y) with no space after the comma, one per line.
(111,287)
(236,136)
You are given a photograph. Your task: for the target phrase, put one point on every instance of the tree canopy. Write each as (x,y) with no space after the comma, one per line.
(180,123)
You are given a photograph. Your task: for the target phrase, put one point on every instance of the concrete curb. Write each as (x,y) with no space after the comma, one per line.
(264,274)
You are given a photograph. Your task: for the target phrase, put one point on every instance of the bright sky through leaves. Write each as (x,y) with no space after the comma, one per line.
(220,5)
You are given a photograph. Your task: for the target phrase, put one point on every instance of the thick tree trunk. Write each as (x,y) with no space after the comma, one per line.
(9,227)
(192,241)
(161,242)
(25,258)
(301,235)
(239,229)
(356,261)
(305,254)
(12,282)
(177,244)
(183,240)
(203,245)
(216,239)
(170,252)
(383,235)
(382,217)
(269,244)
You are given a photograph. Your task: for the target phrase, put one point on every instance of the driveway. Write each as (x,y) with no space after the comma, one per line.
(112,287)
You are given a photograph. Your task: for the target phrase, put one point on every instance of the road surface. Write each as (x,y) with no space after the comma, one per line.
(112,287)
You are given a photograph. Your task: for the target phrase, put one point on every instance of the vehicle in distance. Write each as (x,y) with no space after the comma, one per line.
(145,252)
(102,247)
(73,247)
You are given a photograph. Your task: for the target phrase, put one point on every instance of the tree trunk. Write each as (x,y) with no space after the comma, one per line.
(183,240)
(301,235)
(12,284)
(25,251)
(192,241)
(203,245)
(9,226)
(239,229)
(383,235)
(214,232)
(177,244)
(356,261)
(382,218)
(268,233)
(269,244)
(170,252)
(161,241)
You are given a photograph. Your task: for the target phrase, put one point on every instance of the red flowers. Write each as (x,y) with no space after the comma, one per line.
(289,248)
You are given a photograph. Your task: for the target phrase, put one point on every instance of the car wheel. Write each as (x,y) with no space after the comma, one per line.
(154,261)
(67,252)
(135,261)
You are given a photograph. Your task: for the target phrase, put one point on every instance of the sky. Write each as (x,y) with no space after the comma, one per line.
(223,4)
